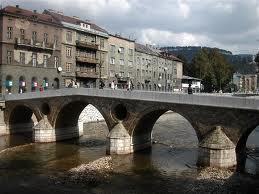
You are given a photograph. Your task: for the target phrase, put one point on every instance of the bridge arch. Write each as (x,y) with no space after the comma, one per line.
(22,118)
(68,115)
(141,134)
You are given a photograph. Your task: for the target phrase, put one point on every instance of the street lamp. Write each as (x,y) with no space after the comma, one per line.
(165,70)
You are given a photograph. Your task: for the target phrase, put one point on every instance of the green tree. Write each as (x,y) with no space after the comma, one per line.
(212,67)
(257,62)
(186,65)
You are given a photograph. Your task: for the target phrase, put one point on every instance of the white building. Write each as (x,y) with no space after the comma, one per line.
(195,84)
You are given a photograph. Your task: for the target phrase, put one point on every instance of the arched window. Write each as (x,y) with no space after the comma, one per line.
(9,84)
(55,85)
(45,83)
(22,84)
(34,84)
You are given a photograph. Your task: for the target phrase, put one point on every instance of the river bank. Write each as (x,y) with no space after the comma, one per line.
(100,173)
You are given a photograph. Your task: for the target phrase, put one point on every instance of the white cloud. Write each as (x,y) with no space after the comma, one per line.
(94,7)
(184,8)
(154,36)
(224,23)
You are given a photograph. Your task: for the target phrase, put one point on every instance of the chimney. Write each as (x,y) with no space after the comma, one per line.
(17,6)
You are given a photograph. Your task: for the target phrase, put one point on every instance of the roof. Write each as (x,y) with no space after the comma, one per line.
(28,14)
(73,20)
(121,37)
(190,78)
(144,49)
(154,51)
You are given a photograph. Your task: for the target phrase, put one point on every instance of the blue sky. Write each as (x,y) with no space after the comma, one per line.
(227,24)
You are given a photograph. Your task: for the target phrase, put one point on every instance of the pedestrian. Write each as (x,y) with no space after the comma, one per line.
(190,89)
(129,85)
(132,86)
(112,85)
(41,88)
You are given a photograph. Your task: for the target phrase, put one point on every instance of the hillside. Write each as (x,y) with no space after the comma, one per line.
(242,63)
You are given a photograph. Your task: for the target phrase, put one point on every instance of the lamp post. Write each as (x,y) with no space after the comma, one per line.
(165,69)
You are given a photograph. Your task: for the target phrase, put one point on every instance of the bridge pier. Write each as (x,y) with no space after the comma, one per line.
(43,132)
(3,127)
(217,150)
(119,140)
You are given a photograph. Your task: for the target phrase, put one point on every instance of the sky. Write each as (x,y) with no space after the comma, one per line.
(228,24)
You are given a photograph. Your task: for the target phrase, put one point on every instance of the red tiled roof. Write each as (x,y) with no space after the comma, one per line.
(29,14)
(72,20)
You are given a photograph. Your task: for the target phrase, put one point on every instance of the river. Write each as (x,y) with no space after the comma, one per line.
(169,167)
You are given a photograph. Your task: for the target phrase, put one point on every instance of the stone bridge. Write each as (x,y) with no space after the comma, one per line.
(222,123)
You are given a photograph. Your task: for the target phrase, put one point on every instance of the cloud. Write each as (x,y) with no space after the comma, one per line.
(184,8)
(228,23)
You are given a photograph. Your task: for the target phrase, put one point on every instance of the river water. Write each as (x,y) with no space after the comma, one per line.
(169,167)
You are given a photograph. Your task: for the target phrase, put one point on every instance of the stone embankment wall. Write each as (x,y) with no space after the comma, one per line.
(89,115)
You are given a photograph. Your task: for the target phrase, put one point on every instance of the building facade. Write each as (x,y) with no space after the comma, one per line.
(84,51)
(245,82)
(30,50)
(156,70)
(39,51)
(195,84)
(121,61)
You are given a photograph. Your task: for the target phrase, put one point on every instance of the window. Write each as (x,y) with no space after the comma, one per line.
(45,58)
(68,51)
(22,31)
(55,40)
(121,74)
(121,50)
(121,61)
(22,57)
(130,74)
(34,37)
(138,61)
(130,63)
(69,36)
(154,74)
(138,73)
(9,32)
(45,38)
(175,71)
(112,73)
(112,49)
(9,57)
(68,67)
(34,59)
(112,60)
(101,42)
(55,62)
(130,52)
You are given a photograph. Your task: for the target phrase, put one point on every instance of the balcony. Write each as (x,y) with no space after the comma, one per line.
(86,74)
(34,46)
(84,44)
(83,59)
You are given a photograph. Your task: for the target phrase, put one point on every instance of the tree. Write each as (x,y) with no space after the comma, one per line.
(186,65)
(257,62)
(212,67)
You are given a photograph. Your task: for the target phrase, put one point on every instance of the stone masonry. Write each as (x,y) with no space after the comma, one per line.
(222,123)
